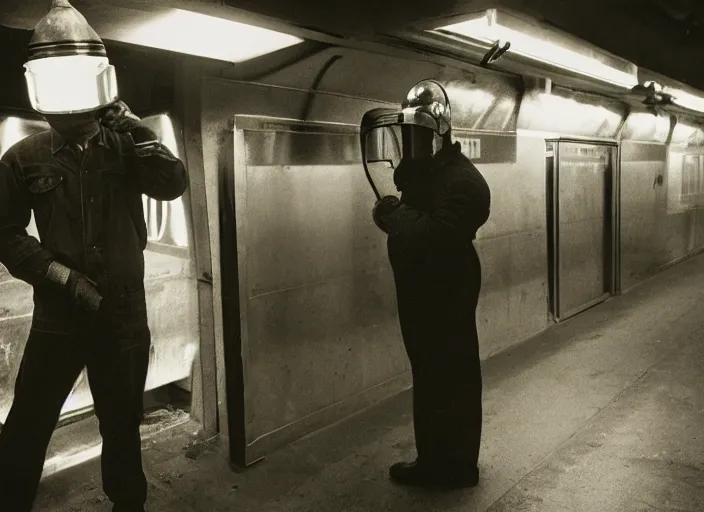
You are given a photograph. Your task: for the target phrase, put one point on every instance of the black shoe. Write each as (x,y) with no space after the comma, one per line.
(413,474)
(127,507)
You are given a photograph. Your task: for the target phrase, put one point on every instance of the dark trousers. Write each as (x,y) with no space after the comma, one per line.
(438,324)
(50,365)
(447,401)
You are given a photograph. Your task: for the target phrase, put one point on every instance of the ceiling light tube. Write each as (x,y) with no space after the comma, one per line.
(206,36)
(488,29)
(685,99)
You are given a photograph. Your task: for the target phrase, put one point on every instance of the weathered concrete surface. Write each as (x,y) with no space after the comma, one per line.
(602,413)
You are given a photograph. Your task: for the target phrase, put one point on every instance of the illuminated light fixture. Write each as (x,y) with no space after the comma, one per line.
(198,34)
(488,29)
(685,99)
(67,68)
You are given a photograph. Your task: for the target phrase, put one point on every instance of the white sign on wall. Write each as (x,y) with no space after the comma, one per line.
(471,148)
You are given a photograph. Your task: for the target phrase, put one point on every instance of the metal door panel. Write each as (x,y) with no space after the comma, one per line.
(582,226)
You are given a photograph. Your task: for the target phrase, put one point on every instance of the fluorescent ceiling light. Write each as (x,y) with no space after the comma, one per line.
(207,36)
(487,29)
(684,99)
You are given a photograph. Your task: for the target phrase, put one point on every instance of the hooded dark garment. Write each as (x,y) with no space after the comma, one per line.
(444,201)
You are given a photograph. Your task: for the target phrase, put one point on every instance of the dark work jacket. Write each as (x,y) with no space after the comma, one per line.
(88,211)
(444,201)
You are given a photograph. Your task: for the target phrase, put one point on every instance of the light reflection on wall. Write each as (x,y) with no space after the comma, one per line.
(10,133)
(166,221)
(546,112)
(646,127)
(12,130)
(687,135)
(470,106)
(685,180)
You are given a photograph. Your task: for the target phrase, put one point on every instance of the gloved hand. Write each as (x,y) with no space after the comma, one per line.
(384,207)
(83,291)
(119,117)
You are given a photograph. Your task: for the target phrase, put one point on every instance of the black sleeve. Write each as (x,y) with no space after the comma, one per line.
(462,209)
(160,175)
(23,256)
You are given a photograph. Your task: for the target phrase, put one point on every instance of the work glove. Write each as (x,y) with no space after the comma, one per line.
(119,117)
(383,207)
(83,291)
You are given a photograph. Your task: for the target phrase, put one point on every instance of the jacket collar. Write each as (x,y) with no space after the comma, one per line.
(58,142)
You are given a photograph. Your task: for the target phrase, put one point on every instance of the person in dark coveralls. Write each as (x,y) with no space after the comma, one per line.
(83,179)
(444,201)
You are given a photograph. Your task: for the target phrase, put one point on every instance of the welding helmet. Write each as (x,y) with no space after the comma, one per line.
(418,130)
(67,69)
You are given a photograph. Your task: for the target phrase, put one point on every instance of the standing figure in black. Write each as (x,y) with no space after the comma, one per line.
(84,180)
(437,272)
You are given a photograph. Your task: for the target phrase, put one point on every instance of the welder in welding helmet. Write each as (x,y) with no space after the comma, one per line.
(83,181)
(68,74)
(444,201)
(70,80)
(424,126)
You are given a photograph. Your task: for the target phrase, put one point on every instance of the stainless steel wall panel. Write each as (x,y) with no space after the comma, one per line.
(583,225)
(316,345)
(677,225)
(675,233)
(512,247)
(309,223)
(513,303)
(642,210)
(317,295)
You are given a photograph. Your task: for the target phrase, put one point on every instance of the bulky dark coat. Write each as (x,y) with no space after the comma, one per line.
(444,201)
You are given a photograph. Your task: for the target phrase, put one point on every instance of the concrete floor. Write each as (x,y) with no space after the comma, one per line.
(604,412)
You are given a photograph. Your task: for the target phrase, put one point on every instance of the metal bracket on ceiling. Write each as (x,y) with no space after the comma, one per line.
(652,94)
(495,52)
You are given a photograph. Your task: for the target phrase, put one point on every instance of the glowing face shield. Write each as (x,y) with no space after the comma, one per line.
(70,84)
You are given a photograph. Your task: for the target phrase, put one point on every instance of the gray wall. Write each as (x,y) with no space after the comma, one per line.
(658,226)
(319,331)
(512,247)
(319,326)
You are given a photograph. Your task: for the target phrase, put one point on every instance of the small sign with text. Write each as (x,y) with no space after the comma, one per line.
(472,148)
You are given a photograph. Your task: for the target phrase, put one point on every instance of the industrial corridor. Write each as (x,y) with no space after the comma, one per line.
(602,413)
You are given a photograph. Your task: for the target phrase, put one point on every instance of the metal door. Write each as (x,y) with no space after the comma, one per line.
(582,211)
